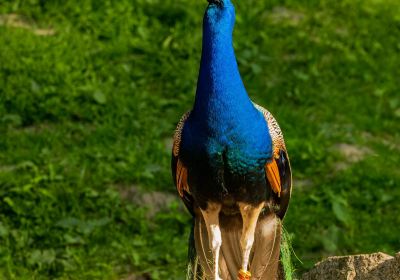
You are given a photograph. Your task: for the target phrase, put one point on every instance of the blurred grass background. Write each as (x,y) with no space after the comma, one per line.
(91,91)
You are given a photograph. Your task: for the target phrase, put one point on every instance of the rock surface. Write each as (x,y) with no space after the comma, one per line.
(377,266)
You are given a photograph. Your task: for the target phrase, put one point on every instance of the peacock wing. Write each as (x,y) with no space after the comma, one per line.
(179,170)
(278,171)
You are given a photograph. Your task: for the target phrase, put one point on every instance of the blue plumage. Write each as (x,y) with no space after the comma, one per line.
(224,119)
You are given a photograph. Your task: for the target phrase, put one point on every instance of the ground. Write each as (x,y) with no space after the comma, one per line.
(90,93)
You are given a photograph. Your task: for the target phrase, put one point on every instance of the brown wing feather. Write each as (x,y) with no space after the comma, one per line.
(178,134)
(181,178)
(179,170)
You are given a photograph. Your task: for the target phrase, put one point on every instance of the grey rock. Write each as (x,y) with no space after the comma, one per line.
(377,266)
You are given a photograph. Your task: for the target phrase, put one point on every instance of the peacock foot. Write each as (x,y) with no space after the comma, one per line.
(244,275)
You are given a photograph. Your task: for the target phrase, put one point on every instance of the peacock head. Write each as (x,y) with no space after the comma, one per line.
(219,16)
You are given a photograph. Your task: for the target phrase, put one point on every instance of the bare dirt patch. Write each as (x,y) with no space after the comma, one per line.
(155,201)
(351,154)
(281,15)
(17,21)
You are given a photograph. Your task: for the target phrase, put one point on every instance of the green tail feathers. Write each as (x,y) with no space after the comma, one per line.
(286,255)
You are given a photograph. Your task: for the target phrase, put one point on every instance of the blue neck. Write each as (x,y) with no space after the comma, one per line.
(224,120)
(220,91)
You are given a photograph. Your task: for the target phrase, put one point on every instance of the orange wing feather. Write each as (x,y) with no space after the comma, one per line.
(272,172)
(181,178)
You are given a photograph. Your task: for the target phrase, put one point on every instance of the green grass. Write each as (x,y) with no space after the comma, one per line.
(88,111)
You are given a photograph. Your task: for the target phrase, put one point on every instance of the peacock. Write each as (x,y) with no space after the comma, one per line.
(230,166)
